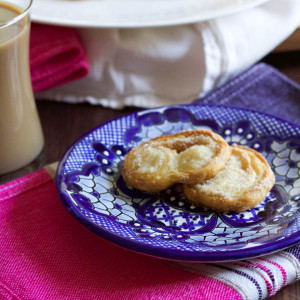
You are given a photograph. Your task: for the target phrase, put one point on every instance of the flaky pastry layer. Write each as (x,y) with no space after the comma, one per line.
(185,157)
(242,184)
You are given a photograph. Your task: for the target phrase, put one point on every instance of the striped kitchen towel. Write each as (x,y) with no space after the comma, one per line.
(257,278)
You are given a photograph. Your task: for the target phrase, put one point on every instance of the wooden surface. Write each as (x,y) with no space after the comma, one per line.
(292,43)
(65,123)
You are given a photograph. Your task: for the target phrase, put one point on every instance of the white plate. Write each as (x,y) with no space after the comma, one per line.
(133,13)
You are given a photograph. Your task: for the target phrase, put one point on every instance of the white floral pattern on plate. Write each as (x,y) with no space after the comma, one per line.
(166,225)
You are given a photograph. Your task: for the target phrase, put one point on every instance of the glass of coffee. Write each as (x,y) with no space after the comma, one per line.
(21,137)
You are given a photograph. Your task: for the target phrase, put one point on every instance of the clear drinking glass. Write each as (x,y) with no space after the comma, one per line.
(21,137)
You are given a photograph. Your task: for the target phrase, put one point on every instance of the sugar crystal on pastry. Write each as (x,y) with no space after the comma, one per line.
(242,184)
(184,157)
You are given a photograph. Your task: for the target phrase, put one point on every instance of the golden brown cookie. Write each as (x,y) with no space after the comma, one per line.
(185,157)
(242,184)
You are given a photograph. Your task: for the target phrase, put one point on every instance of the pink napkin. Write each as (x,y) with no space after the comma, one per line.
(46,254)
(56,56)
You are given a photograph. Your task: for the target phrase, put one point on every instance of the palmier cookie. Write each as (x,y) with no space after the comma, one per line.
(242,184)
(184,157)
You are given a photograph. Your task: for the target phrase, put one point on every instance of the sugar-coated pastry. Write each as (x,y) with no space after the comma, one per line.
(242,184)
(185,157)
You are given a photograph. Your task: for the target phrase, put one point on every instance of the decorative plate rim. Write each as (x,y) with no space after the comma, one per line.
(172,254)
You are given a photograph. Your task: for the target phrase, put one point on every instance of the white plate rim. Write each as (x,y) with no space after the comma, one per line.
(57,12)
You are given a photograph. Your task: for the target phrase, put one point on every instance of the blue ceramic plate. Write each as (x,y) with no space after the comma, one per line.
(165,225)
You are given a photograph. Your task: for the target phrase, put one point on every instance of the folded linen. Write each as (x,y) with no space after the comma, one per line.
(150,67)
(46,254)
(56,56)
(263,89)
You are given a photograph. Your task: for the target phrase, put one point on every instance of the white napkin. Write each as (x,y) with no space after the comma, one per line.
(150,67)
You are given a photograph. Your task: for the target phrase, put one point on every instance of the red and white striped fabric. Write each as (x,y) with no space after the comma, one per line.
(256,278)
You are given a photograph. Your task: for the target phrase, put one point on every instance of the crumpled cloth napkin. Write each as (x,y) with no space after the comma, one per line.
(261,88)
(57,56)
(46,254)
(149,67)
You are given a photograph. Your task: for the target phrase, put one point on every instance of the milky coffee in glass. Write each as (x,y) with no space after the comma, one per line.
(21,138)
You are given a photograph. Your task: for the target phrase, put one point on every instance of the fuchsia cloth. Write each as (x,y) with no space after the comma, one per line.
(56,56)
(46,254)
